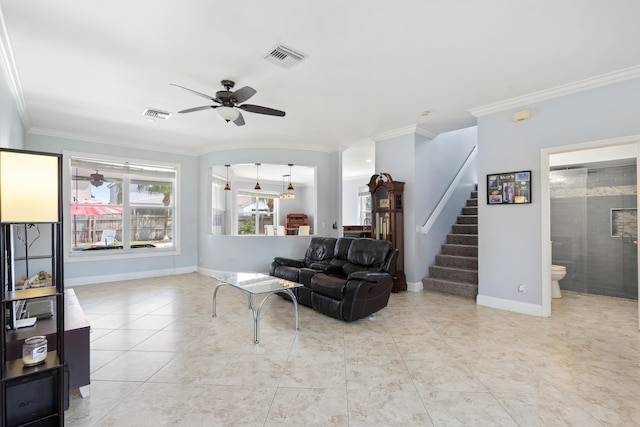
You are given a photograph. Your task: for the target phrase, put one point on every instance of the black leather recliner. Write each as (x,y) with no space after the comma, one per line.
(351,282)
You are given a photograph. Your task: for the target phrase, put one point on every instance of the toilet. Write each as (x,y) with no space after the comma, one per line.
(557,273)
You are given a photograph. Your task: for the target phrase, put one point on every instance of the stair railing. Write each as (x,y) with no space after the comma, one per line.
(447,195)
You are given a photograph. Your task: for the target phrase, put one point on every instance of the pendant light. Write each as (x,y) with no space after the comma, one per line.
(290,188)
(257,187)
(227,187)
(286,195)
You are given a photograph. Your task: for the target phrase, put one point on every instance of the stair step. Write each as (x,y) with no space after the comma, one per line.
(474,194)
(470,210)
(456,261)
(466,290)
(453,274)
(459,250)
(467,219)
(472,202)
(462,239)
(464,229)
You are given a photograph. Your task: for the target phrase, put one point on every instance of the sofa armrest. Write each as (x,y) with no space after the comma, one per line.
(326,268)
(369,276)
(299,263)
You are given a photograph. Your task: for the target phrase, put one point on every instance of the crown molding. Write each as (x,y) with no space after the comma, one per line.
(106,141)
(274,145)
(559,91)
(10,71)
(137,145)
(419,129)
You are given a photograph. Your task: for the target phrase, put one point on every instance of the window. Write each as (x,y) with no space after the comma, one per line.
(218,206)
(255,209)
(364,206)
(121,205)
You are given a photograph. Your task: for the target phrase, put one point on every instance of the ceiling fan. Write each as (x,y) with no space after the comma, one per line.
(228,100)
(96,179)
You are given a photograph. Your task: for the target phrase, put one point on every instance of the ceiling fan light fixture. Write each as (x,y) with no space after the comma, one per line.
(228,114)
(97,179)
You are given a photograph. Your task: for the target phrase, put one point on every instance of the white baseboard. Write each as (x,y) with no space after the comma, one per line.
(415,286)
(510,305)
(103,278)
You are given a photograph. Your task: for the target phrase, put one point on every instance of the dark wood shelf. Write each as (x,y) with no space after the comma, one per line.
(45,291)
(16,369)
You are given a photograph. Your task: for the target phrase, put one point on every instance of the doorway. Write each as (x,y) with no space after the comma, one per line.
(594,230)
(591,207)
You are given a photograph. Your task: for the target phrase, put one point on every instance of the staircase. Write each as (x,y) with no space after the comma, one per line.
(455,271)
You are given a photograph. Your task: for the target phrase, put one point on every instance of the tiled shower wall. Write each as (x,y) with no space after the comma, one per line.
(581,203)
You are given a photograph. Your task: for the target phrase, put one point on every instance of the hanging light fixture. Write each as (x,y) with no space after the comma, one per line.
(290,187)
(257,187)
(227,187)
(286,195)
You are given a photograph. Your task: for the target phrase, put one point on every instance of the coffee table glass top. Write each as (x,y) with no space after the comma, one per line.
(254,283)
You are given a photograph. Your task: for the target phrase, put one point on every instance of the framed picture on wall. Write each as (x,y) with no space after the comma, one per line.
(509,188)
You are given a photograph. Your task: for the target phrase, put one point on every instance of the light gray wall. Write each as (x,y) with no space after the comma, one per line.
(11,129)
(82,272)
(437,164)
(255,253)
(427,166)
(510,236)
(396,156)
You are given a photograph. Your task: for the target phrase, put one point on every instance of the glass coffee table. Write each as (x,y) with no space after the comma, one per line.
(252,284)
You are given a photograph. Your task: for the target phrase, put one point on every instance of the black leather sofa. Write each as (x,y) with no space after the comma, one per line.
(345,278)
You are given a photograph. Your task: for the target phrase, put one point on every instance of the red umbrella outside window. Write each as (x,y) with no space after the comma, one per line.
(94,208)
(91,208)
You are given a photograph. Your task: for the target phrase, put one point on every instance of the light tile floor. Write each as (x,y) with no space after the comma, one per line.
(158,357)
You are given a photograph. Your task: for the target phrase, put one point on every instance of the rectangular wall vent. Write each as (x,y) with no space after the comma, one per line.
(156,114)
(285,56)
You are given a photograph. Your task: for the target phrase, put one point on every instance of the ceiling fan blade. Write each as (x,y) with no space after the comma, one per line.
(197,93)
(261,110)
(243,94)
(240,120)
(191,110)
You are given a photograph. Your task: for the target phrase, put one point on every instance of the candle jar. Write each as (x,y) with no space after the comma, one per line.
(34,350)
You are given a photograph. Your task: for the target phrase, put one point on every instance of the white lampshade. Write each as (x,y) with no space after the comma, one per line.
(228,113)
(29,186)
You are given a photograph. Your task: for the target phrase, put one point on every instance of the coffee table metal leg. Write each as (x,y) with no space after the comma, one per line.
(256,312)
(295,304)
(215,292)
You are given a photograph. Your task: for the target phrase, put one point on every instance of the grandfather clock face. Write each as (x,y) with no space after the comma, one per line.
(382,199)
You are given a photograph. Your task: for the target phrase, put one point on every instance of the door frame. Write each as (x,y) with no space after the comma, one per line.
(632,143)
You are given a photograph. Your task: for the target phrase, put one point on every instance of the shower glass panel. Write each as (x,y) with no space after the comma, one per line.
(569,226)
(594,229)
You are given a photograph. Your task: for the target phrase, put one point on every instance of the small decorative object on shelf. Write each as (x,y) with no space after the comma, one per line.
(34,350)
(388,221)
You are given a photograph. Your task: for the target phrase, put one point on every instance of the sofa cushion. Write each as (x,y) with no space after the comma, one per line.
(320,250)
(331,286)
(285,272)
(366,254)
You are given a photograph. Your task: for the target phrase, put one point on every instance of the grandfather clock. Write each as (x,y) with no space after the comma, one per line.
(387,220)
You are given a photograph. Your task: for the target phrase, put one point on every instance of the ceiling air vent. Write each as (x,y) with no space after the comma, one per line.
(285,56)
(156,114)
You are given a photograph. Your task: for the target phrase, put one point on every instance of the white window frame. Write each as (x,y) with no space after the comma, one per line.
(219,209)
(363,193)
(256,194)
(75,256)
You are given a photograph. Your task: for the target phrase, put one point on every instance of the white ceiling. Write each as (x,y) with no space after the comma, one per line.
(87,69)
